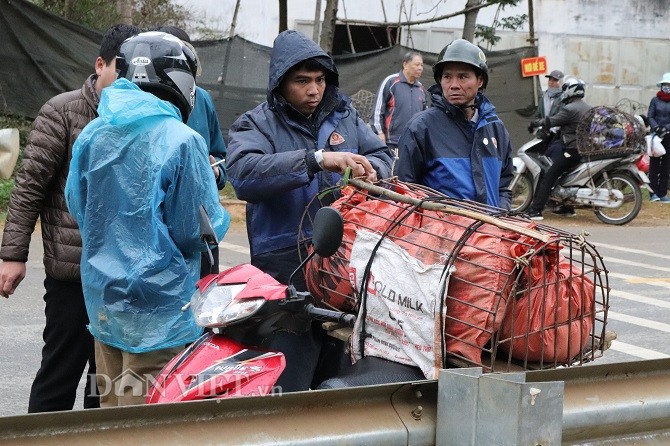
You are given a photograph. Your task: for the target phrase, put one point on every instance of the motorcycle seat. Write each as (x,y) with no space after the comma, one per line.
(370,371)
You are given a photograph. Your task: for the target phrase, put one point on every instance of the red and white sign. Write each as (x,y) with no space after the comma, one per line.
(533,66)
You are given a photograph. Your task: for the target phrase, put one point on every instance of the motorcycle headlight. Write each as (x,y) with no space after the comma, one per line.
(217,306)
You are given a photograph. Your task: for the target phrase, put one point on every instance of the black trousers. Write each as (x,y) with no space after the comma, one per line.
(659,169)
(548,181)
(68,347)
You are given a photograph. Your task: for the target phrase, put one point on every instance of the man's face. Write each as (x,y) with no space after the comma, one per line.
(460,83)
(413,69)
(553,83)
(106,73)
(304,89)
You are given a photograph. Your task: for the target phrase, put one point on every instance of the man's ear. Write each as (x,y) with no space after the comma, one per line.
(99,64)
(480,81)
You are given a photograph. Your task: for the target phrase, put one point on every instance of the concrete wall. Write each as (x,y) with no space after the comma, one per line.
(620,48)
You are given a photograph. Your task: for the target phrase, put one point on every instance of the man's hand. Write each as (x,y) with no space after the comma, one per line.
(11,275)
(216,170)
(339,161)
(382,136)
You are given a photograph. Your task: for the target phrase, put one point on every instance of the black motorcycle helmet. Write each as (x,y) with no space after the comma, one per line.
(161,64)
(460,50)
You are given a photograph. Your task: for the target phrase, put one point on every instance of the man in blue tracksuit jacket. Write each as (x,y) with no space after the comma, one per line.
(280,155)
(459,146)
(399,97)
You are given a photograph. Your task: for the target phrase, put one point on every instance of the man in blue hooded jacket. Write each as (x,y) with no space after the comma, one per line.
(137,180)
(280,155)
(459,146)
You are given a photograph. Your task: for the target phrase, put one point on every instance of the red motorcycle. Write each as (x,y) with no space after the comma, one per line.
(241,298)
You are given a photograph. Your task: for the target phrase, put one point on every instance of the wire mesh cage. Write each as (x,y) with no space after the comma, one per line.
(608,132)
(362,101)
(519,295)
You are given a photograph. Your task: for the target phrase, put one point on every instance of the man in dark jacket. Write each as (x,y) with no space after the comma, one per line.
(459,146)
(38,192)
(568,117)
(280,155)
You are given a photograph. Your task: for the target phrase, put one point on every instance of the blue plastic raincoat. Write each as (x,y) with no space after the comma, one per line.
(137,178)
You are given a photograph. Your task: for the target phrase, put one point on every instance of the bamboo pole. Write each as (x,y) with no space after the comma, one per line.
(433,206)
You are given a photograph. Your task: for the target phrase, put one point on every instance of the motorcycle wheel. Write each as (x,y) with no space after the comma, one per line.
(632,200)
(522,193)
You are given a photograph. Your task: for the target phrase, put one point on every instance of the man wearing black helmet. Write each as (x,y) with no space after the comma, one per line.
(138,178)
(38,193)
(459,146)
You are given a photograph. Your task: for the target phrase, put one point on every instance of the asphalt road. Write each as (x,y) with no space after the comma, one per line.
(638,259)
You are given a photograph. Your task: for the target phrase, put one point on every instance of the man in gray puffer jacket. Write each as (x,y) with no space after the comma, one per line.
(38,192)
(567,118)
(280,155)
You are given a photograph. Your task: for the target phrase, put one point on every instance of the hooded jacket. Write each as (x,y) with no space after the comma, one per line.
(460,158)
(137,179)
(271,149)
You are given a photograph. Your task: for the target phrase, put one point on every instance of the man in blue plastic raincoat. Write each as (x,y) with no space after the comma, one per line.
(137,180)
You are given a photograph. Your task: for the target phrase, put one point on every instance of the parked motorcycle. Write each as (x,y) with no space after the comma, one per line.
(609,186)
(244,298)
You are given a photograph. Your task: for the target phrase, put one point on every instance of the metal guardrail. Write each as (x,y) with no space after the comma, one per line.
(623,403)
(393,414)
(627,403)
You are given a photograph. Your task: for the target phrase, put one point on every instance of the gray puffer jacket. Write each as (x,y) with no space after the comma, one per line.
(40,182)
(567,118)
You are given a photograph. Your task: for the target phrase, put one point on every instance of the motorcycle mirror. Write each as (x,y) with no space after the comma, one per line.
(327,231)
(207,233)
(9,151)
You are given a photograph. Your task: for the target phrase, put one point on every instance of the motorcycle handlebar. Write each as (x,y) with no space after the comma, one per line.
(330,315)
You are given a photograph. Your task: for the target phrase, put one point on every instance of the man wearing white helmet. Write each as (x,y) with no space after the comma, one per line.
(459,146)
(568,117)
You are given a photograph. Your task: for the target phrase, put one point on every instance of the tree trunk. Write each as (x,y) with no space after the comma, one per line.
(328,28)
(67,9)
(283,19)
(317,21)
(125,10)
(471,20)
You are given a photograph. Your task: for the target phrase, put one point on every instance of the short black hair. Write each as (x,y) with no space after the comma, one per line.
(113,38)
(308,65)
(318,63)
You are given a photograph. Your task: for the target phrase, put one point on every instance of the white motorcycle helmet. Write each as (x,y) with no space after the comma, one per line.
(572,88)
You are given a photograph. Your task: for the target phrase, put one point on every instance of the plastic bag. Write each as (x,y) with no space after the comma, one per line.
(401,321)
(643,163)
(551,322)
(654,146)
